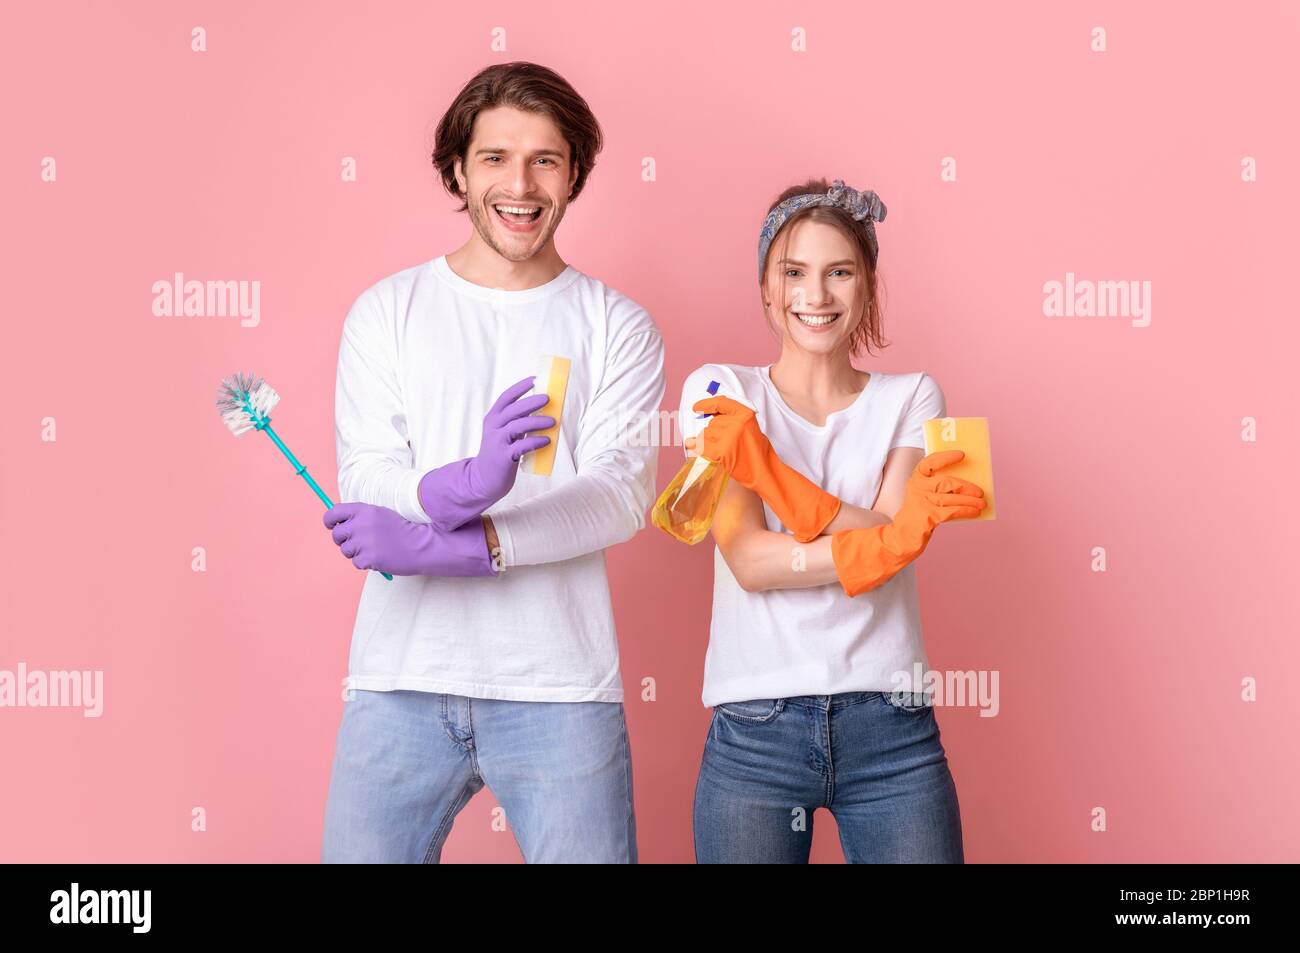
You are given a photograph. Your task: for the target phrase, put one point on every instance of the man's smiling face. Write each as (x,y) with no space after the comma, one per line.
(516,160)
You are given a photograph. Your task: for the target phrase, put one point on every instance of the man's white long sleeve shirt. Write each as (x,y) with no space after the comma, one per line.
(424,354)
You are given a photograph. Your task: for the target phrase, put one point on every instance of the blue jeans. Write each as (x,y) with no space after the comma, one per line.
(406,762)
(873,759)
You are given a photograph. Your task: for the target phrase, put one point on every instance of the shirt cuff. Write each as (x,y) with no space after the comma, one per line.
(408,497)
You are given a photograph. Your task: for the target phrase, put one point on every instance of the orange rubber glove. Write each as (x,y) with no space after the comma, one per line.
(866,558)
(733,439)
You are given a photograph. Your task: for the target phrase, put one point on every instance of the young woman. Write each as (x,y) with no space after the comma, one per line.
(816,629)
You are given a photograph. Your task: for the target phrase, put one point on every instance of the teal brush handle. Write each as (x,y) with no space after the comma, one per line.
(265,426)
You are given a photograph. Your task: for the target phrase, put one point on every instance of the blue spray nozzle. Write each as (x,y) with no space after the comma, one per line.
(713,392)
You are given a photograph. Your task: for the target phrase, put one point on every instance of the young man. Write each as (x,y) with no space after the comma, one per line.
(491,657)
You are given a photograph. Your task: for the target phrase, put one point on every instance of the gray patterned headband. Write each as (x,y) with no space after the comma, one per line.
(861,205)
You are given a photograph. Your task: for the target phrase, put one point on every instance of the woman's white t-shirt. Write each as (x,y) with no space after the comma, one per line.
(779,643)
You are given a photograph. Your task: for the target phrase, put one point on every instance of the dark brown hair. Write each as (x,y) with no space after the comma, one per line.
(868,329)
(524,86)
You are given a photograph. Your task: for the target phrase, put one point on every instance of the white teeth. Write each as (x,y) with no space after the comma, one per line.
(817,320)
(516,210)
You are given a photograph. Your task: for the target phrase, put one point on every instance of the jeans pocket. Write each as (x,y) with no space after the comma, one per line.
(757,711)
(912,702)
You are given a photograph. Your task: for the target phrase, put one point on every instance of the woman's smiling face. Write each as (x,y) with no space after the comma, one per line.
(821,274)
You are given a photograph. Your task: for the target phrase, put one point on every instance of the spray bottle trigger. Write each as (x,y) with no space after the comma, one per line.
(713,392)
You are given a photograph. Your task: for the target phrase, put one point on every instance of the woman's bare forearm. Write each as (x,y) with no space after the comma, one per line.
(762,559)
(854,517)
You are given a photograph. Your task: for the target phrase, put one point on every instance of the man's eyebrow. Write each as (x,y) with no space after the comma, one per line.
(842,261)
(501,149)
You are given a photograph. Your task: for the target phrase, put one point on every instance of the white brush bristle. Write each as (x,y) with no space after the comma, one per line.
(245,401)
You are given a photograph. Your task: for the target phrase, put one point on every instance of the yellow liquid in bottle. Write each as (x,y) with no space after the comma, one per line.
(685,508)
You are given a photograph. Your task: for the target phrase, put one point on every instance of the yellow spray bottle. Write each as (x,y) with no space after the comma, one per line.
(685,508)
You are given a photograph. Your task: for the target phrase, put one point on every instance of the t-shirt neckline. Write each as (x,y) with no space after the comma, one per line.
(765,375)
(499,295)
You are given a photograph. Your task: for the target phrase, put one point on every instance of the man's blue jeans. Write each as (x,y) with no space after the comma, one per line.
(873,759)
(406,762)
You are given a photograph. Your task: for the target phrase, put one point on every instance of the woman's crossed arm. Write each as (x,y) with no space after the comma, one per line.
(761,559)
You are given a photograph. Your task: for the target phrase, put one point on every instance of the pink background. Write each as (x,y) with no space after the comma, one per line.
(1118,689)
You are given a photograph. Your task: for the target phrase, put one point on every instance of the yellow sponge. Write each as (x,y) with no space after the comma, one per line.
(553,380)
(971,436)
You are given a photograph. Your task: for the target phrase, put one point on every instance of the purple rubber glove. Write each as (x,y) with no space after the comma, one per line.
(375,537)
(458,492)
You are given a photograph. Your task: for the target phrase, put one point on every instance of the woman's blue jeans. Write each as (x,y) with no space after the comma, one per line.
(873,759)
